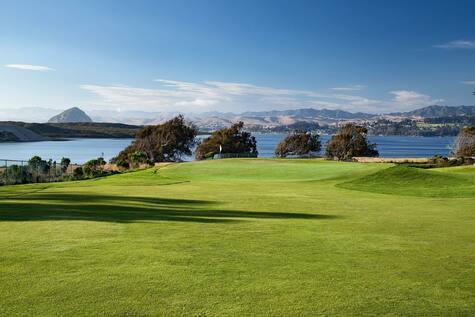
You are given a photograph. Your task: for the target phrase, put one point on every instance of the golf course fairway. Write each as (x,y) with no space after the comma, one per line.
(242,237)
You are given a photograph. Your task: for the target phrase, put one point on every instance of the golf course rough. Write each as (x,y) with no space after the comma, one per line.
(242,237)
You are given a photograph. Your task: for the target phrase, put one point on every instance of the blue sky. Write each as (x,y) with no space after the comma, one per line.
(196,56)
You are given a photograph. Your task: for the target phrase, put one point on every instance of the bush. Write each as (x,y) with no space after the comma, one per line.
(227,140)
(350,141)
(78,173)
(137,158)
(122,164)
(94,168)
(298,143)
(17,174)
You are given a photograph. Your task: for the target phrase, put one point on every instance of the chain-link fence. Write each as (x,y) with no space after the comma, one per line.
(34,171)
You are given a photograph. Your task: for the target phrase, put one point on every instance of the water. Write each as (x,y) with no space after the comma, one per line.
(81,150)
(406,146)
(78,150)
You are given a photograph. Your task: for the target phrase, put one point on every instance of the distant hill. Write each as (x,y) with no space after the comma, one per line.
(439,111)
(311,113)
(71,115)
(273,120)
(11,131)
(208,121)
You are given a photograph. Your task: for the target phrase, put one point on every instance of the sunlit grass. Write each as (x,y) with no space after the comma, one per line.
(244,238)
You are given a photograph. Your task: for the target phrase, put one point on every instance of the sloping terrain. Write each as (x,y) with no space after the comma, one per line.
(438,111)
(21,134)
(45,131)
(403,180)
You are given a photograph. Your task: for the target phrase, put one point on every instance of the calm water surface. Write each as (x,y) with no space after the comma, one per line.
(81,150)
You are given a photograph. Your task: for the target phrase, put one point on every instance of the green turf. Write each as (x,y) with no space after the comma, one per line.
(242,238)
(404,180)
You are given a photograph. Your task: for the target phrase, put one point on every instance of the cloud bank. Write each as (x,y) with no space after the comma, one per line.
(457,45)
(350,88)
(409,99)
(172,95)
(36,68)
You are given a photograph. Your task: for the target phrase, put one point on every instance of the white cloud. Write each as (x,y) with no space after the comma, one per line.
(181,96)
(409,99)
(458,44)
(350,88)
(468,82)
(36,68)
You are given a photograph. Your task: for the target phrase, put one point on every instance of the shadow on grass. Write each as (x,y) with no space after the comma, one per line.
(57,206)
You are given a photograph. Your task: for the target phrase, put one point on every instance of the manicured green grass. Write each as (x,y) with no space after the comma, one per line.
(242,238)
(403,180)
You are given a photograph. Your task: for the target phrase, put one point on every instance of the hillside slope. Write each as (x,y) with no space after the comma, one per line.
(15,133)
(439,111)
(44,131)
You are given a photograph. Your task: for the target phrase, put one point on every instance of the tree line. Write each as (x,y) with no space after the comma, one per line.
(176,138)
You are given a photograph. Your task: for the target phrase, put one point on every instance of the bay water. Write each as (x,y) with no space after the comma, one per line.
(82,150)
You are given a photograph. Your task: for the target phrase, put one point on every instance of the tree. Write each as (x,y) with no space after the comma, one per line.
(39,168)
(464,145)
(38,165)
(227,140)
(167,142)
(350,141)
(36,162)
(298,143)
(65,164)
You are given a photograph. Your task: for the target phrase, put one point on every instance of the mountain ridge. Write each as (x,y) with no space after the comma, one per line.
(435,111)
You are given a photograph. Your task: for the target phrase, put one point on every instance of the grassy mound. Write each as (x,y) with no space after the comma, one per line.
(467,170)
(404,180)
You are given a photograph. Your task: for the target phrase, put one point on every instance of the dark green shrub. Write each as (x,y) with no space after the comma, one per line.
(78,173)
(122,164)
(17,174)
(136,158)
(94,168)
